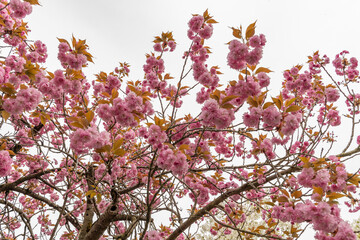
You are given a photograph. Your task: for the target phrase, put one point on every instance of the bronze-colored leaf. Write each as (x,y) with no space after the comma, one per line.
(33,2)
(250,100)
(5,115)
(250,30)
(293,108)
(267,104)
(236,33)
(262,69)
(296,194)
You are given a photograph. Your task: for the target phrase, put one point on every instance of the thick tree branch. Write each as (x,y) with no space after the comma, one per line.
(89,212)
(246,187)
(110,215)
(349,153)
(10,186)
(129,189)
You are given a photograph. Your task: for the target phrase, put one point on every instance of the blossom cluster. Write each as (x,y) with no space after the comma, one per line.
(173,161)
(5,163)
(83,140)
(251,219)
(70,59)
(272,118)
(324,217)
(158,47)
(299,82)
(125,111)
(343,66)
(200,193)
(112,82)
(59,85)
(243,89)
(291,123)
(198,26)
(36,55)
(356,226)
(213,114)
(15,63)
(332,94)
(152,69)
(20,8)
(198,31)
(240,53)
(155,136)
(321,178)
(308,178)
(332,117)
(143,163)
(12,21)
(26,100)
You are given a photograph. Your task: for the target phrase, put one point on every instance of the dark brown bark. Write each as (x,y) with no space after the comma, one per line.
(99,227)
(89,212)
(10,186)
(110,215)
(248,186)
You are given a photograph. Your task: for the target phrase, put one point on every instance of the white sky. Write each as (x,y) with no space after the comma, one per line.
(119,30)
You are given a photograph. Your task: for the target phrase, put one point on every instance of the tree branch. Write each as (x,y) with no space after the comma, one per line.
(89,212)
(110,215)
(30,193)
(223,197)
(10,186)
(22,215)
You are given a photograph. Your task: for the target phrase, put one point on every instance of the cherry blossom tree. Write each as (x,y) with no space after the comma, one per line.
(111,158)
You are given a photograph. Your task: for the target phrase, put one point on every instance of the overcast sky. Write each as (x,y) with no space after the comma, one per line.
(118,30)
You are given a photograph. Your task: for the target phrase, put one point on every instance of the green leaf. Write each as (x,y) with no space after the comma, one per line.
(98,198)
(228,106)
(184,146)
(63,40)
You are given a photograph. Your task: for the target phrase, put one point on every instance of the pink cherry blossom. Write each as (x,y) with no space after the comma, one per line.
(271,117)
(196,23)
(20,8)
(291,123)
(252,119)
(5,163)
(212,114)
(264,79)
(332,95)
